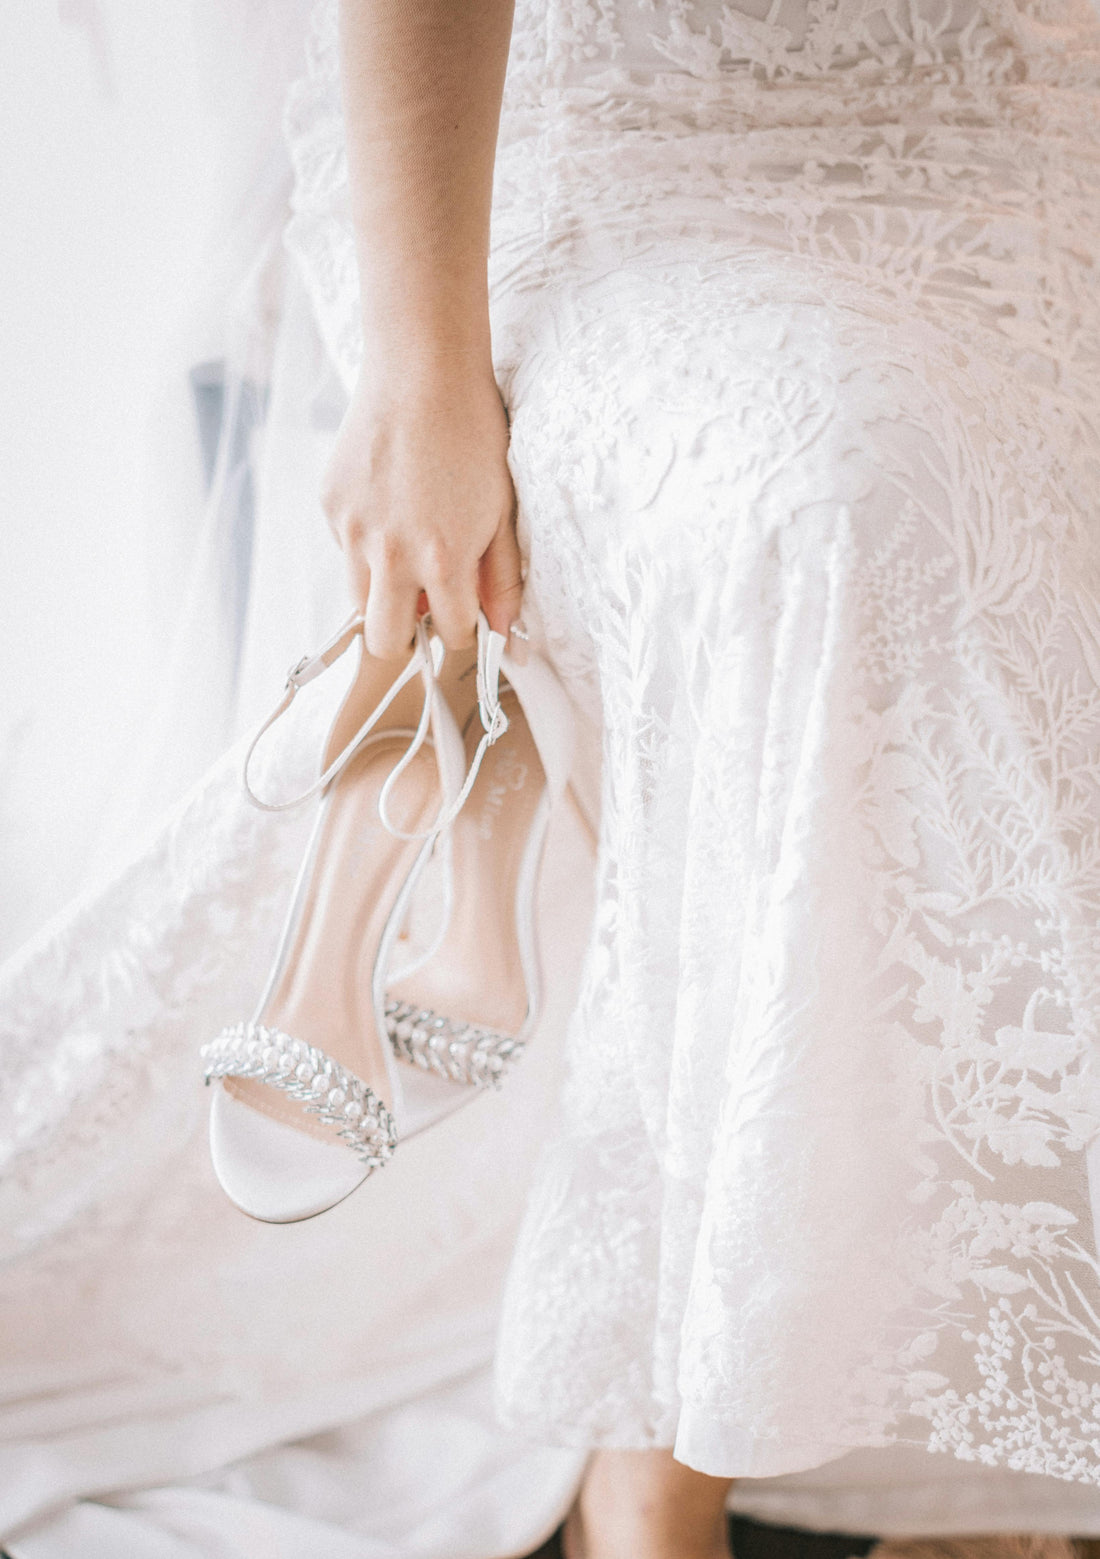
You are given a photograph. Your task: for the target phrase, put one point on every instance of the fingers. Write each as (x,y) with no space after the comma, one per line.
(394,589)
(389,622)
(452,600)
(500,580)
(391,601)
(355,567)
(394,601)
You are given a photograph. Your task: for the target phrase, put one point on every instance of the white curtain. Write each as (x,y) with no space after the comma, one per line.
(144,183)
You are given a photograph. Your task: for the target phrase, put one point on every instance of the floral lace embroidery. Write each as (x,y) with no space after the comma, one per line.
(795,313)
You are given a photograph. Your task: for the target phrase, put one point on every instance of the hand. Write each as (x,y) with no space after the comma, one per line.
(420,498)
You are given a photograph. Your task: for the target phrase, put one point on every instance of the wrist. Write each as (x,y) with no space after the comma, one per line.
(415,358)
(432,306)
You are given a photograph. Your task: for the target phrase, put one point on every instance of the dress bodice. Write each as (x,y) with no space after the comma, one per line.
(809,119)
(788,39)
(772,38)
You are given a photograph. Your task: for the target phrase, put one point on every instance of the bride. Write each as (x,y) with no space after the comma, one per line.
(749,356)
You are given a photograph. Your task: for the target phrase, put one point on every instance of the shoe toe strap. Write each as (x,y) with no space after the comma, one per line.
(460,1052)
(326,1089)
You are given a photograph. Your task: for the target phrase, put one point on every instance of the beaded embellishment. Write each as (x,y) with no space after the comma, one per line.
(460,1052)
(328,1090)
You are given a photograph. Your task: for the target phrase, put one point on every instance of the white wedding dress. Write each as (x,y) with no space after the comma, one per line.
(796,317)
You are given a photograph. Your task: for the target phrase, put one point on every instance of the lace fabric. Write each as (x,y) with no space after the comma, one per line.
(796,317)
(823,1179)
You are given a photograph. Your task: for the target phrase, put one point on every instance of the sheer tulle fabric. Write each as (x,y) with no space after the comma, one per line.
(171,415)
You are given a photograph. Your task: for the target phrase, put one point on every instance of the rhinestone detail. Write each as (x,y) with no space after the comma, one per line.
(326,1089)
(460,1052)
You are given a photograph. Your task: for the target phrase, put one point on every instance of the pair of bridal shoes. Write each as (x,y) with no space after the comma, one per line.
(437,782)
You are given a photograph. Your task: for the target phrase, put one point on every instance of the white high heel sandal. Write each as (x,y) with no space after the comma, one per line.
(289,1108)
(298,1119)
(486,962)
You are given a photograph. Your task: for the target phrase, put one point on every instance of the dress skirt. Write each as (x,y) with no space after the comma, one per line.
(824,1171)
(805,430)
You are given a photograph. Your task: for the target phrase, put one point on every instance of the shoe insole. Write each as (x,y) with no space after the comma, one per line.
(323,995)
(475,975)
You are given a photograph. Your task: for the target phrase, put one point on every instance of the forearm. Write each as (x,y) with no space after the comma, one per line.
(422,85)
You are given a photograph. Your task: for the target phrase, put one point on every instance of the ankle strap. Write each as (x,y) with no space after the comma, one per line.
(425,660)
(490,650)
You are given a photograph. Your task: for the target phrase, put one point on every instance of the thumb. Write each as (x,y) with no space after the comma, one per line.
(500,586)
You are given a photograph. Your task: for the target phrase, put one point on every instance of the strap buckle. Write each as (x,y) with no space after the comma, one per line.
(304,671)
